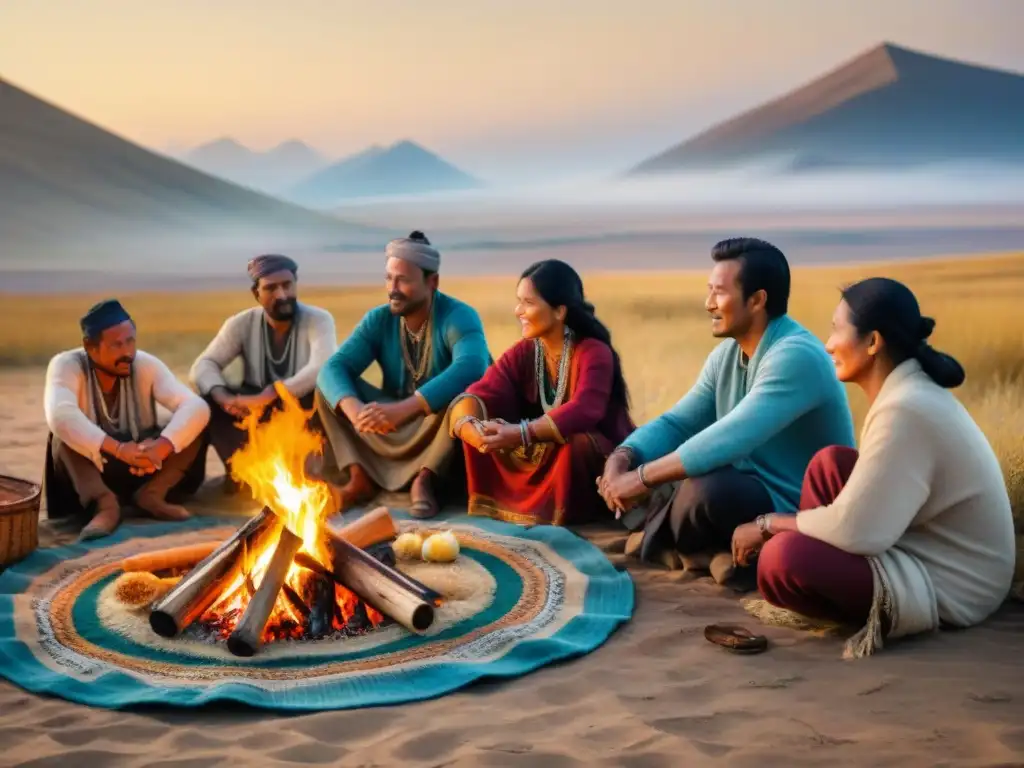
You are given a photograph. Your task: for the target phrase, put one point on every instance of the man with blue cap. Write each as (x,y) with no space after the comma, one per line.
(430,347)
(281,340)
(106,444)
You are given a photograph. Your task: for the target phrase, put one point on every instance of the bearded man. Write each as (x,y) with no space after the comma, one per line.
(281,340)
(106,446)
(737,445)
(430,347)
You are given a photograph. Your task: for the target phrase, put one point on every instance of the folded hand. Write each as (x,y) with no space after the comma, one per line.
(374,418)
(501,437)
(622,491)
(137,458)
(747,541)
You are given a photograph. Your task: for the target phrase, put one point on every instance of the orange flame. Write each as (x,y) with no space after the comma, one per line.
(273,465)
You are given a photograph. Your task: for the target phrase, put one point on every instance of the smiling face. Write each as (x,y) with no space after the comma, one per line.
(853,354)
(276,293)
(536,317)
(408,287)
(731,316)
(113,351)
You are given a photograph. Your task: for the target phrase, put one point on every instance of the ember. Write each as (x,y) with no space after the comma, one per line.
(283,575)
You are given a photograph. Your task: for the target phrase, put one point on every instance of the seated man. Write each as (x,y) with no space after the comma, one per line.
(766,401)
(280,340)
(105,444)
(430,348)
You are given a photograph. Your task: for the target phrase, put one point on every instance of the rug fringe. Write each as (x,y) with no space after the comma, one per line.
(869,639)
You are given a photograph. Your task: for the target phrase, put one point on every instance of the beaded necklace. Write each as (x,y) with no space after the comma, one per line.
(562,381)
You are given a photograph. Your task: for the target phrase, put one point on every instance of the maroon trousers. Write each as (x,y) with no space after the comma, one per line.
(811,577)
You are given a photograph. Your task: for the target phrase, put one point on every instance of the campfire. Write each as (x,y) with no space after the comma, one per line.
(284,575)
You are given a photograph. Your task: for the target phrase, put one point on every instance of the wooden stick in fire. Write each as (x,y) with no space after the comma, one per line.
(247,637)
(378,584)
(200,587)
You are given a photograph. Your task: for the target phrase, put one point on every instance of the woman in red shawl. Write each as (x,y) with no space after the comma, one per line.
(539,425)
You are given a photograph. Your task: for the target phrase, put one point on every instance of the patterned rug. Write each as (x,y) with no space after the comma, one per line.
(515,599)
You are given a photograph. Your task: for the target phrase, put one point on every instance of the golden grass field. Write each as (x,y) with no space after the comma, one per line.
(658,323)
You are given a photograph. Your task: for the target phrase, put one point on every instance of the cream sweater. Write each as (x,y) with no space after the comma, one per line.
(240,336)
(69,413)
(927,503)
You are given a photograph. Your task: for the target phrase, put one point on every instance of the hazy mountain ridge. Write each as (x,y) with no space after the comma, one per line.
(889,107)
(69,187)
(400,169)
(273,171)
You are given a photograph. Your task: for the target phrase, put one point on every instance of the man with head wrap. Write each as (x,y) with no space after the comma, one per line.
(106,445)
(430,347)
(280,340)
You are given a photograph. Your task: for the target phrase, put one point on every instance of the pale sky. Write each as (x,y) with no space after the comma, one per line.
(504,89)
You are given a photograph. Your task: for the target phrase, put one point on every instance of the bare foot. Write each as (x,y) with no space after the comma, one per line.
(357,491)
(162,510)
(633,544)
(103,523)
(721,567)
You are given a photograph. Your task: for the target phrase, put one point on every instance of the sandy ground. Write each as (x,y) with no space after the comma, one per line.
(656,694)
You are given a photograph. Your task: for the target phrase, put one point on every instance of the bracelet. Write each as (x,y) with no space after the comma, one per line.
(117,451)
(764,524)
(524,431)
(642,475)
(473,420)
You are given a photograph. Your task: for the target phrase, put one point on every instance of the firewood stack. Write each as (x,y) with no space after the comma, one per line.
(375,581)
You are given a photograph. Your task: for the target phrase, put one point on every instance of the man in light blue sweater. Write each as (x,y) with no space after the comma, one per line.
(739,441)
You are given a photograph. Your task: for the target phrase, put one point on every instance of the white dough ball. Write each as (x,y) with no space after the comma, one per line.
(441,548)
(408,546)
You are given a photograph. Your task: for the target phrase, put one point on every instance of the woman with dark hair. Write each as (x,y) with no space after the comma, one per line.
(539,425)
(915,532)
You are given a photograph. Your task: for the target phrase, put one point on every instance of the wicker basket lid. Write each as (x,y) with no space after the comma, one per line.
(17,494)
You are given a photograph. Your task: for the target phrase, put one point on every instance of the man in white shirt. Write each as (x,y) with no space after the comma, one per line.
(280,340)
(106,445)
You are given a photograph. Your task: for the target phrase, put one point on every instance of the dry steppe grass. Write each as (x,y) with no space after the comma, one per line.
(658,323)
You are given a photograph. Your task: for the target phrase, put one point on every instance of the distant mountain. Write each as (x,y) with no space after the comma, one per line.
(273,171)
(70,189)
(403,168)
(890,106)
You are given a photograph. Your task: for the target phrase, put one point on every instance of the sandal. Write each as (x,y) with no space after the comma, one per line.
(735,638)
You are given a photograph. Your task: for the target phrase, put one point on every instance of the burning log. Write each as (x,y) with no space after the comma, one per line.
(246,638)
(386,589)
(201,586)
(322,603)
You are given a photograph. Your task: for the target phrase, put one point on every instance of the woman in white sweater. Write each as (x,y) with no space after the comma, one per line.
(915,532)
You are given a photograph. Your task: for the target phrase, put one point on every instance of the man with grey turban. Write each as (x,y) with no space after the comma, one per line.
(430,347)
(281,340)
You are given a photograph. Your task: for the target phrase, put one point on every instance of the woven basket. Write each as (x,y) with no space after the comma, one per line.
(19,519)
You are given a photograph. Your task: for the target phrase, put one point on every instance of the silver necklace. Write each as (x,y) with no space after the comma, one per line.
(562,382)
(268,347)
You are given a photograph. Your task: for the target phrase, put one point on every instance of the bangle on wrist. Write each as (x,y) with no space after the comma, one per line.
(640,471)
(524,432)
